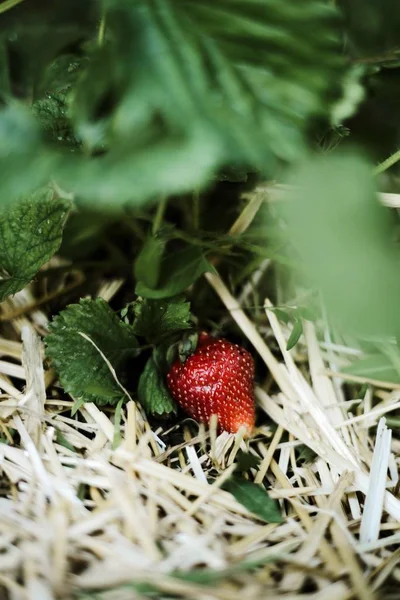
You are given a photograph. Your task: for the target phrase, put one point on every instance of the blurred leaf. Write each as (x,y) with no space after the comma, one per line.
(84,232)
(295,335)
(353,94)
(30,233)
(148,263)
(22,151)
(81,368)
(373,28)
(180,90)
(307,313)
(282,315)
(35,34)
(375,366)
(255,498)
(179,269)
(154,319)
(153,393)
(344,238)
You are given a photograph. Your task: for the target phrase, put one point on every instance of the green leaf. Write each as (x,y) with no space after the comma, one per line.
(282,315)
(82,370)
(182,89)
(155,319)
(179,269)
(22,151)
(246,461)
(187,345)
(376,35)
(254,497)
(149,260)
(153,393)
(307,313)
(295,335)
(62,440)
(345,240)
(374,366)
(305,455)
(210,576)
(30,233)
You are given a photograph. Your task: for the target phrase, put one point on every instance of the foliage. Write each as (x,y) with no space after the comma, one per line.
(30,233)
(343,236)
(142,123)
(156,319)
(152,391)
(84,340)
(254,497)
(168,93)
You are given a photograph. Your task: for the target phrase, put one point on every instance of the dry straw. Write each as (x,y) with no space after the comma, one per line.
(80,518)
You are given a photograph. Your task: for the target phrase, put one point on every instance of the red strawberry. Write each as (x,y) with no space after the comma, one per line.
(216,379)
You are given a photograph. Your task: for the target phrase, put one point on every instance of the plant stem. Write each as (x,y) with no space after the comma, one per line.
(386,164)
(196,210)
(102,30)
(158,218)
(4,6)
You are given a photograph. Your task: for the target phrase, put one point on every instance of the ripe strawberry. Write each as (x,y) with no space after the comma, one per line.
(216,379)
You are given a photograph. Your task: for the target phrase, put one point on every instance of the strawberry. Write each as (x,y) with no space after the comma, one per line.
(216,379)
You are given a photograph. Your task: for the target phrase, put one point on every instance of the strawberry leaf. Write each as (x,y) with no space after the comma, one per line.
(179,270)
(153,393)
(30,233)
(254,497)
(82,370)
(156,319)
(148,263)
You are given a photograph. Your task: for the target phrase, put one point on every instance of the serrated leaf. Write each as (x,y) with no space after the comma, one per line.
(30,233)
(82,370)
(230,83)
(155,319)
(254,497)
(295,334)
(165,354)
(179,270)
(148,263)
(153,393)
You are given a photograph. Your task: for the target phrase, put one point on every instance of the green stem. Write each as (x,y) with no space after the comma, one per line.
(386,164)
(117,424)
(4,6)
(159,216)
(102,30)
(196,210)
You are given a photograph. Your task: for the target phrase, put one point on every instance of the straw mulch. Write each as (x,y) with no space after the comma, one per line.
(88,514)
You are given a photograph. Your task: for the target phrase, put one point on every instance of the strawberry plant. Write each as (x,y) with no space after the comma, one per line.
(193,193)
